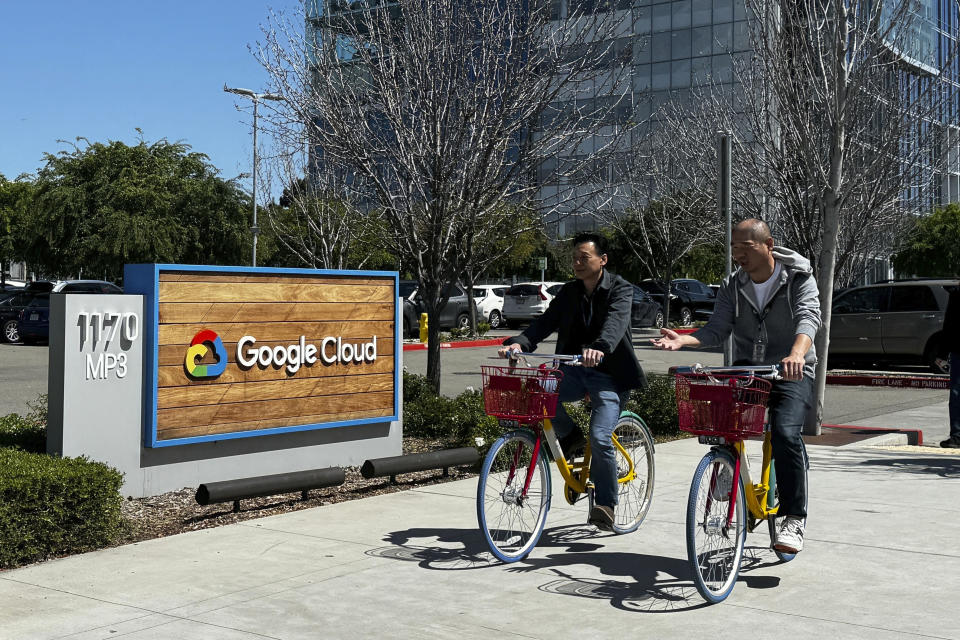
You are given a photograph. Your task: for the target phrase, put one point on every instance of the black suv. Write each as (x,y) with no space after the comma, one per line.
(897,321)
(689,299)
(454,314)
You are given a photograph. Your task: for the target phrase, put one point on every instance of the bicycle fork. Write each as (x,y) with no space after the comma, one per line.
(534,457)
(714,483)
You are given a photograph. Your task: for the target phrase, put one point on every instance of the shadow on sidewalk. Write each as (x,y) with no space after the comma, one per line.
(637,582)
(934,464)
(945,467)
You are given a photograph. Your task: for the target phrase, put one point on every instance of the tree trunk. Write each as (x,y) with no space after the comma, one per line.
(468,282)
(433,348)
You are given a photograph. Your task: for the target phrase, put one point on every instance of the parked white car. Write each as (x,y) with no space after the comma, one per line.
(525,301)
(489,301)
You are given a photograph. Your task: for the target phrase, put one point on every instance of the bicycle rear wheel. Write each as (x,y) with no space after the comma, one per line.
(634,497)
(773,500)
(715,549)
(512,522)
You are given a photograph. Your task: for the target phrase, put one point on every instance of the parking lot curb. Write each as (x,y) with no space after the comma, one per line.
(421,346)
(871,379)
(888,436)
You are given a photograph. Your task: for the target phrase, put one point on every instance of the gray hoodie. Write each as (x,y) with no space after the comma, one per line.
(793,308)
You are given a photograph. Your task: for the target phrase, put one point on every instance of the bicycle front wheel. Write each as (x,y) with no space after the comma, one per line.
(714,547)
(634,497)
(510,518)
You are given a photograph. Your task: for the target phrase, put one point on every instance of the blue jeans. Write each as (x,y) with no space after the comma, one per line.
(955,396)
(607,403)
(788,405)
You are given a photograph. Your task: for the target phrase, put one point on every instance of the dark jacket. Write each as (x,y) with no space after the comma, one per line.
(602,323)
(951,322)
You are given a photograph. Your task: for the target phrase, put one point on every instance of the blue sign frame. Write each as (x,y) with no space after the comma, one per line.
(144,279)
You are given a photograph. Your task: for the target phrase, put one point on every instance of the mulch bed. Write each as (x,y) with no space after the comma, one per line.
(177,511)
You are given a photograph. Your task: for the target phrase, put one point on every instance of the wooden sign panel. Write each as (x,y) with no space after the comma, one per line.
(235,352)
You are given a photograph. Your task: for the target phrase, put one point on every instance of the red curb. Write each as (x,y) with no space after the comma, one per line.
(421,346)
(914,436)
(909,382)
(685,331)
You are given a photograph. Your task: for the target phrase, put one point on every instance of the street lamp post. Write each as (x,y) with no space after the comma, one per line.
(256,97)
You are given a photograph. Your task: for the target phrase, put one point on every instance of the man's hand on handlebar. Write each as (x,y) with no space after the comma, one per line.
(509,351)
(669,340)
(791,367)
(592,357)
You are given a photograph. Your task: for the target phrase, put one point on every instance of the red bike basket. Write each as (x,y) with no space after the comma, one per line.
(716,405)
(524,394)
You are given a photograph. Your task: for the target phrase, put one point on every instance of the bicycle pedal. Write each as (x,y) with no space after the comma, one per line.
(570,495)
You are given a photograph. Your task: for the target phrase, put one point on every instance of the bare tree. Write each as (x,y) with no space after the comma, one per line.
(444,108)
(669,193)
(321,220)
(848,130)
(837,119)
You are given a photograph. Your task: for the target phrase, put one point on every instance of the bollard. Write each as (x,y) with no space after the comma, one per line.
(423,328)
(419,462)
(235,490)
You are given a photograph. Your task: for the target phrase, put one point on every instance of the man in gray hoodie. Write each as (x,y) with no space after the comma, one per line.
(771,304)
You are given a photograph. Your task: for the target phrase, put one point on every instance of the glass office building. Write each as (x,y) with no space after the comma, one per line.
(671,47)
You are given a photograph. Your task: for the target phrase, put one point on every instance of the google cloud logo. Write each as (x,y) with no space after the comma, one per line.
(198,349)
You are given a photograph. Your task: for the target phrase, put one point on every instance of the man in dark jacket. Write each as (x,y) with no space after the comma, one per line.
(592,318)
(951,329)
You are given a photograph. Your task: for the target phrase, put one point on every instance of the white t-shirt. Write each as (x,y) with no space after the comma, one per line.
(762,291)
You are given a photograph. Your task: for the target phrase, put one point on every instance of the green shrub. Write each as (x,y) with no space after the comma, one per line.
(27,434)
(657,405)
(53,506)
(483,328)
(458,421)
(414,386)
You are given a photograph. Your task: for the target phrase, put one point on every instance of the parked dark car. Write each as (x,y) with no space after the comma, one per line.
(899,321)
(645,311)
(688,300)
(10,309)
(454,313)
(7,289)
(696,299)
(18,325)
(34,320)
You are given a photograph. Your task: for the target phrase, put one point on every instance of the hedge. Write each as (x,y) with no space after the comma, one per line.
(17,432)
(55,506)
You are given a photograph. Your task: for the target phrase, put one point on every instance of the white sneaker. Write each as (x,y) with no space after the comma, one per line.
(790,535)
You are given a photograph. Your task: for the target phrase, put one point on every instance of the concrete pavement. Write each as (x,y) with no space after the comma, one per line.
(881,561)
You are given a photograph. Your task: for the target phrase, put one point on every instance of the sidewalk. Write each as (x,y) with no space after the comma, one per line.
(881,561)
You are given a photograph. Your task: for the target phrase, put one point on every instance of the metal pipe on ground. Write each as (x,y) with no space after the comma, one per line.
(394,465)
(236,490)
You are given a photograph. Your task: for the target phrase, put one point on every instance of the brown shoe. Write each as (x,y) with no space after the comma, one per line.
(601,516)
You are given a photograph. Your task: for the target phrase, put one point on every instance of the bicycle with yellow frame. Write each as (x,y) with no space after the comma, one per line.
(725,406)
(514,489)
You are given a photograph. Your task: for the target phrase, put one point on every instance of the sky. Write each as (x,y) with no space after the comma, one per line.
(101,68)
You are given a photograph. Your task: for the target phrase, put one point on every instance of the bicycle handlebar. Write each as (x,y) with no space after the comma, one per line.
(767,371)
(561,358)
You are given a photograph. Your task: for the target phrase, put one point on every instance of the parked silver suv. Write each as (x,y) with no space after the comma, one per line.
(898,321)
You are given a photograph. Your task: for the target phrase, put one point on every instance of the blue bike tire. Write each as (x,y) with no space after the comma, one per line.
(721,565)
(494,508)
